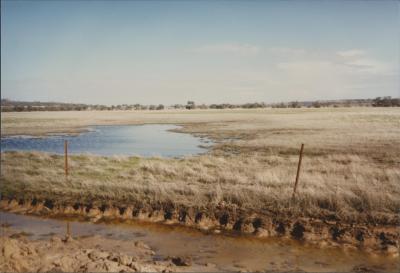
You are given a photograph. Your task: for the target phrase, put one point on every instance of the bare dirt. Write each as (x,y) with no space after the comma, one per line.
(85,254)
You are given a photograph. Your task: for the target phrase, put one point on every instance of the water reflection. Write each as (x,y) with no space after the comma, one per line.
(143,140)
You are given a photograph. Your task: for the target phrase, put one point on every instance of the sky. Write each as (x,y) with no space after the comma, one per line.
(150,52)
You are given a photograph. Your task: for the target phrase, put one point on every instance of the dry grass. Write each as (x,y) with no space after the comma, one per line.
(350,169)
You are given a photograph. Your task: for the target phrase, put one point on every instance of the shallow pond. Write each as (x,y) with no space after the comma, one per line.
(228,253)
(142,140)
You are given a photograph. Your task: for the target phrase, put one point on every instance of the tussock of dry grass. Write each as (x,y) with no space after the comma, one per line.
(350,168)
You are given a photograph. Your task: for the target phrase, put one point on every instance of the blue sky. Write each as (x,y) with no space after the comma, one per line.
(168,52)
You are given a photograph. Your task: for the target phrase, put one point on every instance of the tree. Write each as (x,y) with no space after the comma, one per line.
(254,105)
(178,106)
(316,104)
(385,102)
(190,105)
(18,108)
(160,107)
(279,105)
(294,104)
(202,106)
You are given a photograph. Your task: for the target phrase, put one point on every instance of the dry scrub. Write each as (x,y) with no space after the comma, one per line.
(350,170)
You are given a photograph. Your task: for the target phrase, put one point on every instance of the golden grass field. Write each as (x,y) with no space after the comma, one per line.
(351,164)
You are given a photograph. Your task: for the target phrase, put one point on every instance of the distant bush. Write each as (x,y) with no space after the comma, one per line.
(254,105)
(386,102)
(223,106)
(190,105)
(279,105)
(178,106)
(294,104)
(202,106)
(316,104)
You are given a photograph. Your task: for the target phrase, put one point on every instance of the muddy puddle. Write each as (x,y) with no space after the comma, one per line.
(228,253)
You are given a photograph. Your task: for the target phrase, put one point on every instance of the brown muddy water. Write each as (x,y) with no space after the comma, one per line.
(227,252)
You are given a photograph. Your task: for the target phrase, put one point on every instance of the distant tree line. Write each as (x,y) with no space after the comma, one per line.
(22,106)
(377,102)
(386,102)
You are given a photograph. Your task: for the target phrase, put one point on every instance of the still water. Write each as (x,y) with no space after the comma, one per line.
(142,140)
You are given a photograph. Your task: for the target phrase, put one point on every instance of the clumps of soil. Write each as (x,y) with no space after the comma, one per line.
(238,225)
(168,215)
(48,204)
(298,231)
(182,216)
(135,213)
(360,236)
(336,232)
(88,208)
(76,206)
(198,217)
(122,210)
(91,254)
(257,223)
(103,208)
(223,220)
(180,261)
(280,229)
(34,202)
(387,239)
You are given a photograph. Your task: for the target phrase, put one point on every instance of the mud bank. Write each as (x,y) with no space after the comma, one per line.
(18,253)
(221,219)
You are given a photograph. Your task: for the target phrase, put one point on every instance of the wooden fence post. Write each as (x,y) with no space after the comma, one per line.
(298,171)
(66,175)
(66,157)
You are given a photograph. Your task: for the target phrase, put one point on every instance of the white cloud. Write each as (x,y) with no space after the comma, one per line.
(351,53)
(359,61)
(284,73)
(238,49)
(367,65)
(287,51)
(305,74)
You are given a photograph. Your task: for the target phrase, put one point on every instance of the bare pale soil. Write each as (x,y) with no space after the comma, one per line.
(18,253)
(350,172)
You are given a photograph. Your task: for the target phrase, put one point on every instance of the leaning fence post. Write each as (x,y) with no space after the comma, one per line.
(66,157)
(298,171)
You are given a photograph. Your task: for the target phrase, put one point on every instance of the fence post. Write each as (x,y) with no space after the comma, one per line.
(66,157)
(298,171)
